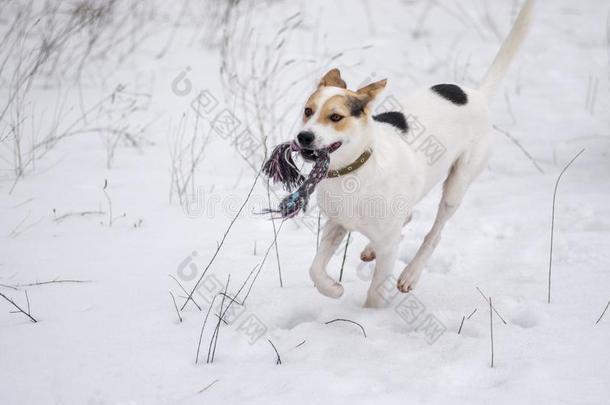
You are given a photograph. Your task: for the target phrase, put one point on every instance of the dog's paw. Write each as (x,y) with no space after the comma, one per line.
(368,254)
(331,289)
(407,281)
(374,301)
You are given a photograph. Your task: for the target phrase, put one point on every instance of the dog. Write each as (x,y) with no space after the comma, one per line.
(386,158)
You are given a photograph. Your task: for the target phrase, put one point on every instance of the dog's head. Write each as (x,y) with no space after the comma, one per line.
(337,118)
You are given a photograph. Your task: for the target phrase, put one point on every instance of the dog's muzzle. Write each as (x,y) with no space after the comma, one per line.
(310,154)
(305,139)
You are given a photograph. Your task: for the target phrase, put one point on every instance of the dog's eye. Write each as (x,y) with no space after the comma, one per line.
(336,117)
(308,112)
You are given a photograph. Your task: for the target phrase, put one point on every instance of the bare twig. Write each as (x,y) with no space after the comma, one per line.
(19,308)
(208,386)
(56,281)
(205,320)
(494,308)
(184,291)
(255,271)
(491,329)
(176,306)
(461,324)
(553,221)
(77,214)
(344,256)
(603,313)
(278,360)
(223,239)
(109,202)
(518,144)
(347,320)
(21,228)
(217,330)
(260,265)
(277,251)
(27,299)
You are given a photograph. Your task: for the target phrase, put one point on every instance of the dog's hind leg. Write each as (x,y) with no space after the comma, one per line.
(368,254)
(462,173)
(332,235)
(386,249)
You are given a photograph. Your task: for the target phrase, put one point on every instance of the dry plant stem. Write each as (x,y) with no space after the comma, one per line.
(208,386)
(243,285)
(214,340)
(603,313)
(77,214)
(278,359)
(176,306)
(109,202)
(266,153)
(494,308)
(184,291)
(205,320)
(190,295)
(18,308)
(347,320)
(491,329)
(27,300)
(461,325)
(277,251)
(344,256)
(221,316)
(262,263)
(518,144)
(553,221)
(234,299)
(21,228)
(51,282)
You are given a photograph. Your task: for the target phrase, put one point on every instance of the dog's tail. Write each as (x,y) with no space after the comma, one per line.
(508,51)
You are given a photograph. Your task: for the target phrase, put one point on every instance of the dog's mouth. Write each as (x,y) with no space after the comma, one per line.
(311,155)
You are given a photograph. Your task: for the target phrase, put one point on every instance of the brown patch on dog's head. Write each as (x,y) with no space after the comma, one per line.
(332,79)
(311,106)
(337,112)
(338,118)
(340,109)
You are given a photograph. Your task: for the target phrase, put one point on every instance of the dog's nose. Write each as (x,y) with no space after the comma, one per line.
(305,138)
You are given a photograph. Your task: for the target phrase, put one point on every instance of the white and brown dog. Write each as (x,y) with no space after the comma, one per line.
(384,155)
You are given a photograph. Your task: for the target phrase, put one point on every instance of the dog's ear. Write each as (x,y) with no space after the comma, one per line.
(332,79)
(370,92)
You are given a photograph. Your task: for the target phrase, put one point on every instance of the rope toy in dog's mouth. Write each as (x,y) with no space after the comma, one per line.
(281,168)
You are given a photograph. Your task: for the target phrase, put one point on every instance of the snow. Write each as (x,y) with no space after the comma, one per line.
(117,338)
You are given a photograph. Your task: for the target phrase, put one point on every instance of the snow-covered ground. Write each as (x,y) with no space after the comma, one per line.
(116,339)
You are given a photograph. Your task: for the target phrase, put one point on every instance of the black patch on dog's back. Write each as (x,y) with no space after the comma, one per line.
(394,118)
(452,93)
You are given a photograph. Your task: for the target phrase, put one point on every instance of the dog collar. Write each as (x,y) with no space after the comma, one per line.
(351,167)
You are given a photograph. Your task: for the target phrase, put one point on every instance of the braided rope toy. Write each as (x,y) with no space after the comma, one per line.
(281,169)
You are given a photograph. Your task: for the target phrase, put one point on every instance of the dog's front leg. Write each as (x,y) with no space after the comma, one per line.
(332,236)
